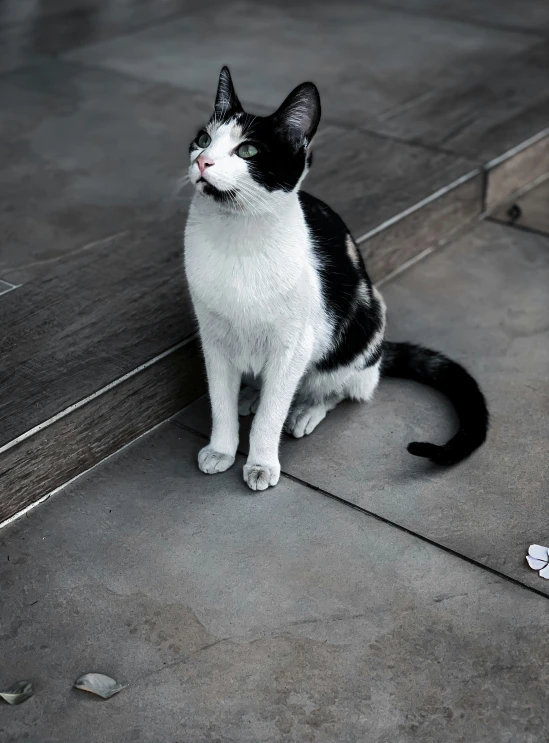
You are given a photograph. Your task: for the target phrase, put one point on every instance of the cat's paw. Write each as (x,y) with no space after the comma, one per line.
(248,400)
(211,461)
(303,419)
(261,476)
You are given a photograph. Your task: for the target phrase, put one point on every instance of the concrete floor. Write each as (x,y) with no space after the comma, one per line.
(292,616)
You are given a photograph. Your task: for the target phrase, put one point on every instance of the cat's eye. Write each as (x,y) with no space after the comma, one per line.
(247,150)
(203,140)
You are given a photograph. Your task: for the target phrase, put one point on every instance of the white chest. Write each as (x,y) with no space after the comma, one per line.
(246,270)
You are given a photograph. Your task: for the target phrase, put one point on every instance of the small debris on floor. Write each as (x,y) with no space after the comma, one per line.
(18,692)
(98,683)
(538,559)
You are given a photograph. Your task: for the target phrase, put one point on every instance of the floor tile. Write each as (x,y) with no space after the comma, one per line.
(347,48)
(86,154)
(6,286)
(531,15)
(482,300)
(510,174)
(530,210)
(30,30)
(90,153)
(483,116)
(91,318)
(285,616)
(369,179)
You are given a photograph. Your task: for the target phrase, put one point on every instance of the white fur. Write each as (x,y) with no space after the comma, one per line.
(257,297)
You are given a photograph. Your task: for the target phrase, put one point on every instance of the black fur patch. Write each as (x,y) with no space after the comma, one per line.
(355,322)
(222,197)
(277,166)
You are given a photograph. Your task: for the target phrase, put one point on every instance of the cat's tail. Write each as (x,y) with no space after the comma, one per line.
(435,370)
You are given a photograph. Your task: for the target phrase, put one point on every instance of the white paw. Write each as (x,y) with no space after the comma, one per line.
(248,400)
(211,461)
(261,476)
(303,419)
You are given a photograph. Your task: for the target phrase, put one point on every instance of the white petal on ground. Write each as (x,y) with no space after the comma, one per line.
(536,564)
(98,683)
(545,572)
(18,692)
(539,552)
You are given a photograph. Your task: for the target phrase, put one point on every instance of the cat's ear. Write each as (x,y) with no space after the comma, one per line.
(299,115)
(226,99)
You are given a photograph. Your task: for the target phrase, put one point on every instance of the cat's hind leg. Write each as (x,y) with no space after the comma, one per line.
(321,392)
(306,414)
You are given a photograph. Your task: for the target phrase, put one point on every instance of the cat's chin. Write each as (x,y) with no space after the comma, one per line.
(226,197)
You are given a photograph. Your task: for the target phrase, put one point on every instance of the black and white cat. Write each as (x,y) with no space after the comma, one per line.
(282,296)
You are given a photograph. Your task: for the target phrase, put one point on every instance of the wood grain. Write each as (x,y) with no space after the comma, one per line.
(75,443)
(424,228)
(513,173)
(92,318)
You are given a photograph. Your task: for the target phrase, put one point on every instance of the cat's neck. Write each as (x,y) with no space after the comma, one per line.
(277,234)
(277,209)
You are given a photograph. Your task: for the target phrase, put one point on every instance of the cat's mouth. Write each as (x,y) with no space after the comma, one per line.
(206,188)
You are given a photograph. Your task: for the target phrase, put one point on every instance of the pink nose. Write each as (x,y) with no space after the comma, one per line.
(203,163)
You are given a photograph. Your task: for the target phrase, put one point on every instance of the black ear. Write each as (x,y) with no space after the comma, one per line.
(226,99)
(299,115)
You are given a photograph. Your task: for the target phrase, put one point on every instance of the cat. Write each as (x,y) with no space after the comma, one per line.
(282,296)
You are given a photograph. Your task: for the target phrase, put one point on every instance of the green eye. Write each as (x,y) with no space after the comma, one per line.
(247,150)
(203,140)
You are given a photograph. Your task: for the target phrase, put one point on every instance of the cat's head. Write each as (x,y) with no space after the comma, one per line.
(242,162)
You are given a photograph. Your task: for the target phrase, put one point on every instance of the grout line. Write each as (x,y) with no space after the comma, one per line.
(384,520)
(7,286)
(95,395)
(407,264)
(47,496)
(420,204)
(518,148)
(100,242)
(516,195)
(485,175)
(517,226)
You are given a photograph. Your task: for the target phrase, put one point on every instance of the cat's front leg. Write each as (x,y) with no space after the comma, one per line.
(223,384)
(281,378)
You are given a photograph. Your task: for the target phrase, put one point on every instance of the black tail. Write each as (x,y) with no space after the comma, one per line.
(435,370)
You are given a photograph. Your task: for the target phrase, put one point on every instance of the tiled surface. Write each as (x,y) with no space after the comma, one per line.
(533,209)
(6,286)
(484,115)
(89,320)
(34,466)
(31,30)
(530,15)
(86,154)
(482,300)
(405,239)
(92,143)
(348,48)
(509,175)
(368,179)
(248,619)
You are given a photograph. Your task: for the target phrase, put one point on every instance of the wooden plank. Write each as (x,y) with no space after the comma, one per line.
(94,317)
(83,438)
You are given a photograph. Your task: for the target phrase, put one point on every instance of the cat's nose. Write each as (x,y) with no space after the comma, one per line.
(203,163)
